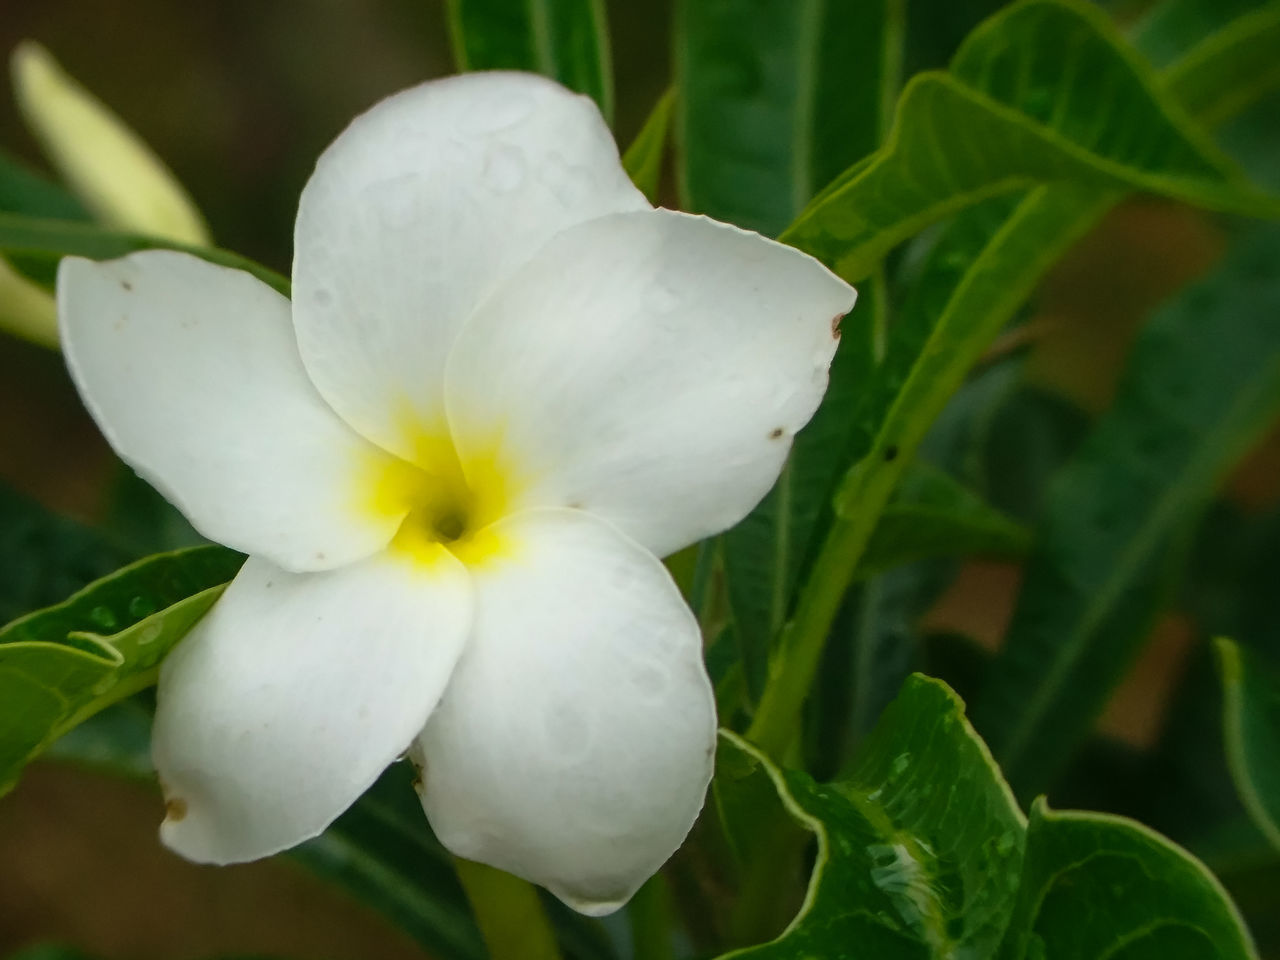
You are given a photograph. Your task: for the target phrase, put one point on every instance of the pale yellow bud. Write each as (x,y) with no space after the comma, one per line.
(117,176)
(26,309)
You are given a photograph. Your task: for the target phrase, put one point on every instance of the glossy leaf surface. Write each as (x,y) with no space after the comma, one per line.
(1095,885)
(66,662)
(917,849)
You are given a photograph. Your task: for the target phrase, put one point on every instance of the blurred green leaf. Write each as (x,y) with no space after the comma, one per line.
(567,40)
(1171,28)
(24,191)
(1229,69)
(1251,726)
(643,159)
(932,515)
(35,245)
(64,663)
(918,849)
(776,101)
(45,557)
(1045,91)
(875,645)
(1202,385)
(1096,885)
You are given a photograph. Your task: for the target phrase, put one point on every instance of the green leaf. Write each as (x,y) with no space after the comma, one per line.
(978,274)
(643,159)
(984,267)
(775,102)
(1095,885)
(917,850)
(62,664)
(1202,385)
(1171,28)
(1230,68)
(36,244)
(567,40)
(931,516)
(45,557)
(1045,91)
(778,102)
(27,192)
(875,645)
(1251,726)
(766,551)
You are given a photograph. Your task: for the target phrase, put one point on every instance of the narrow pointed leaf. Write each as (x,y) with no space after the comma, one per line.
(566,40)
(1230,68)
(1172,28)
(1096,885)
(643,159)
(36,244)
(1251,726)
(1046,91)
(1202,385)
(774,103)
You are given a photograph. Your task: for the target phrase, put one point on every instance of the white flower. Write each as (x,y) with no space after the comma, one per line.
(505,385)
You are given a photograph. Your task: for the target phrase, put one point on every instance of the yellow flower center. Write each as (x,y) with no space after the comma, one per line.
(448,505)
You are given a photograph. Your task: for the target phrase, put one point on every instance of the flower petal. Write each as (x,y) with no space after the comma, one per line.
(290,698)
(192,373)
(574,744)
(650,368)
(418,210)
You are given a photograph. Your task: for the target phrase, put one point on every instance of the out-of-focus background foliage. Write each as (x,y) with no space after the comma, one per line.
(239,97)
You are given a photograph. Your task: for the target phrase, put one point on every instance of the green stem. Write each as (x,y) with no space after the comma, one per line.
(800,645)
(510,915)
(649,917)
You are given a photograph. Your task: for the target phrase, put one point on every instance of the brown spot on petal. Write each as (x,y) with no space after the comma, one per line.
(775,433)
(835,325)
(127,285)
(175,809)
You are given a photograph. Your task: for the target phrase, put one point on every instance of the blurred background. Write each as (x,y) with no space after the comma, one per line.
(239,97)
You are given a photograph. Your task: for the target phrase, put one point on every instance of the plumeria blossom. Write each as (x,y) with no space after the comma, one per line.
(504,387)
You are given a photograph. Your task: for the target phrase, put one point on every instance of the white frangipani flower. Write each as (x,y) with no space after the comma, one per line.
(505,385)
